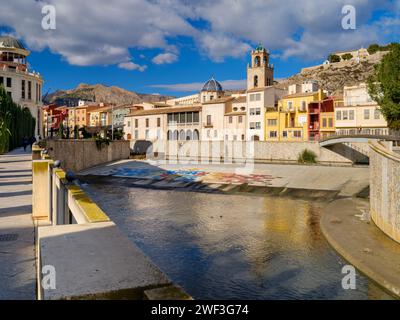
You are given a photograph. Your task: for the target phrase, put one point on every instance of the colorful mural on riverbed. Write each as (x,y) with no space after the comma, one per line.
(192,175)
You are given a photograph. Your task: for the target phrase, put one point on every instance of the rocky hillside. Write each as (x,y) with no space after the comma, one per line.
(100,93)
(333,77)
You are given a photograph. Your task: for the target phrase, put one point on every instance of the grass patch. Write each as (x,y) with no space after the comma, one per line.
(307,156)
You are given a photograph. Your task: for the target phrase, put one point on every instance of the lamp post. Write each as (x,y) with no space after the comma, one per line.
(112,123)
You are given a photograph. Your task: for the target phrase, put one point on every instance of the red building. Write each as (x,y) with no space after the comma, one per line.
(321,121)
(53,116)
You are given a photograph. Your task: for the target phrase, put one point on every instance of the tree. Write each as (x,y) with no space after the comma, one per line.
(333,58)
(384,86)
(373,48)
(347,56)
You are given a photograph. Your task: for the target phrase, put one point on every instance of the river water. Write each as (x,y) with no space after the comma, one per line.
(232,246)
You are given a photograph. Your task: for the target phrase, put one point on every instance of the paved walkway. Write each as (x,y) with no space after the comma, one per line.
(345,224)
(17,253)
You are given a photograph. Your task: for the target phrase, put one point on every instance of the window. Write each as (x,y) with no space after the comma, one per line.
(169,118)
(158,122)
(234,137)
(252,111)
(182,117)
(23,89)
(255,81)
(289,105)
(330,122)
(235,109)
(136,134)
(366,114)
(252,125)
(272,122)
(273,134)
(1,80)
(226,137)
(129,123)
(196,117)
(189,117)
(297,134)
(215,133)
(147,134)
(209,120)
(258,111)
(303,106)
(147,123)
(240,119)
(242,137)
(338,115)
(377,114)
(258,125)
(211,97)
(345,115)
(284,134)
(158,133)
(29,90)
(351,114)
(230,119)
(208,133)
(136,123)
(255,97)
(324,123)
(9,82)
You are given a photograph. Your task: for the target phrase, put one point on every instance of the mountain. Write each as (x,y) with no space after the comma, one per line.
(334,76)
(100,93)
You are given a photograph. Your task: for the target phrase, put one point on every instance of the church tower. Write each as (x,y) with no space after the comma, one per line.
(260,73)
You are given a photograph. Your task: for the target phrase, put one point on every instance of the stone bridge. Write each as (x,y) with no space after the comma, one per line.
(355,146)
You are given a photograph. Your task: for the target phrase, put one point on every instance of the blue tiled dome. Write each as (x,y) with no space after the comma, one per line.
(212,85)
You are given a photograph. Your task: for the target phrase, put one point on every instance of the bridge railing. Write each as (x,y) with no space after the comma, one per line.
(384,134)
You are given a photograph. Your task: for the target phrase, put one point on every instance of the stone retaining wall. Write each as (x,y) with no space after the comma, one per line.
(238,151)
(77,155)
(385,188)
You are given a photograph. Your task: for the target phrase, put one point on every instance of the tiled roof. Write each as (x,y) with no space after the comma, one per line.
(163,111)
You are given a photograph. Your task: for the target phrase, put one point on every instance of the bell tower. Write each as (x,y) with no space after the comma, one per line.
(260,73)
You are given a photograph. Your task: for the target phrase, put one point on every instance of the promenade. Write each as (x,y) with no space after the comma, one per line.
(17,251)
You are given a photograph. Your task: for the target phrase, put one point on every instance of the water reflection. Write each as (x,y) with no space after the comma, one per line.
(232,247)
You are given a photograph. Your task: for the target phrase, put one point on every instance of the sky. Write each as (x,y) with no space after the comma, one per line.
(173,46)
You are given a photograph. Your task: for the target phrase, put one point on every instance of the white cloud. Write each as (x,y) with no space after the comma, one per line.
(104,32)
(164,58)
(132,66)
(196,86)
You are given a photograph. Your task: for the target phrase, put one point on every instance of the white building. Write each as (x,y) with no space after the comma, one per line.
(24,87)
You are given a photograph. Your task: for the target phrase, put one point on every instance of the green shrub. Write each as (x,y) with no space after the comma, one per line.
(347,56)
(307,156)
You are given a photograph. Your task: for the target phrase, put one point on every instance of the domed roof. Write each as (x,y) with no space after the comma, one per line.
(10,42)
(212,85)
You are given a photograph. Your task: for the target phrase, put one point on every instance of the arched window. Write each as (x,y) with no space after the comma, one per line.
(176,135)
(169,135)
(195,134)
(257,61)
(129,136)
(189,135)
(255,81)
(255,138)
(182,135)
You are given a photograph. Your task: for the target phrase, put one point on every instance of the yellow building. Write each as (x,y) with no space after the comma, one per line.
(290,121)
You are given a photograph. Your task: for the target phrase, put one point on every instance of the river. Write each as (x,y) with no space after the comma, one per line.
(232,246)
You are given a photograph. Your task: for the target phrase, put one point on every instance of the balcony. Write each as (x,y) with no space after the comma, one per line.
(208,125)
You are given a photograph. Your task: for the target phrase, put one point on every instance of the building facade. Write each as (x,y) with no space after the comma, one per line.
(22,85)
(359,114)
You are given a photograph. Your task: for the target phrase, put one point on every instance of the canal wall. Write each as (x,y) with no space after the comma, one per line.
(385,188)
(77,155)
(81,254)
(237,151)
